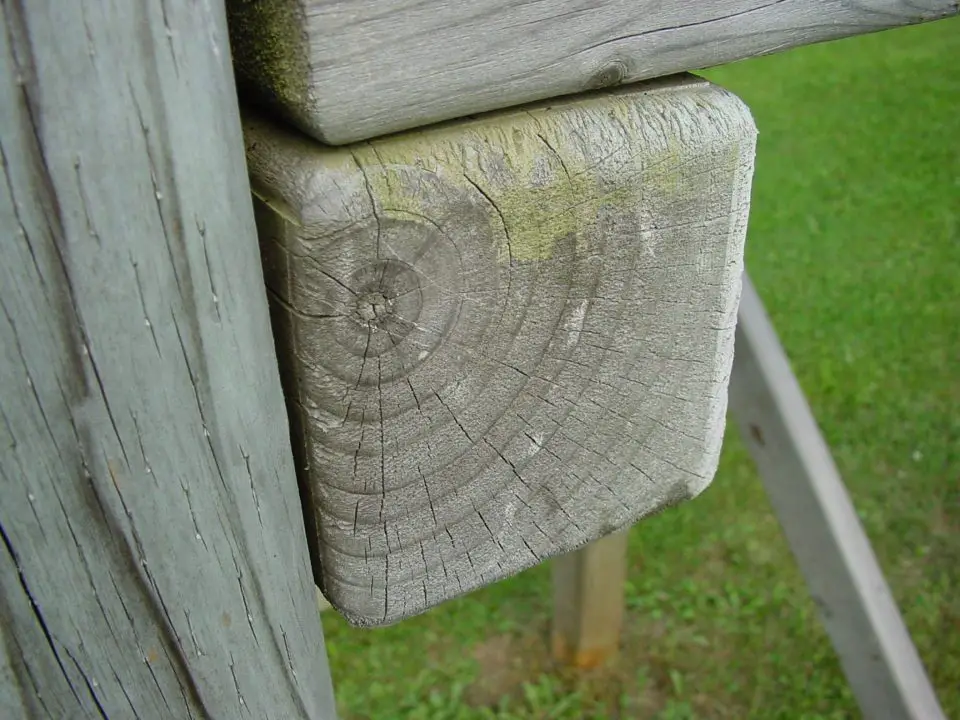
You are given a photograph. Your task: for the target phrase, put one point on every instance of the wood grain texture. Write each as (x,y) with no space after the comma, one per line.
(506,337)
(345,70)
(153,561)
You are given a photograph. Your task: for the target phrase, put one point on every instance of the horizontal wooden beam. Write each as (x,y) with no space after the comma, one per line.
(506,337)
(354,69)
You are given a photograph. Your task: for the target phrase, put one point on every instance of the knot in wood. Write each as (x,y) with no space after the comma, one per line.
(372,308)
(385,311)
(611,74)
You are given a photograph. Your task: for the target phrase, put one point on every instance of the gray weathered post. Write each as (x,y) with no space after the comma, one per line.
(821,525)
(153,561)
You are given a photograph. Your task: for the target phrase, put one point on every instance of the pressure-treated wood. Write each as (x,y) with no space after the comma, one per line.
(346,70)
(153,561)
(506,337)
(588,602)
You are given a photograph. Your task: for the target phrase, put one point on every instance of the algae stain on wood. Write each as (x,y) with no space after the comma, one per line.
(539,176)
(535,190)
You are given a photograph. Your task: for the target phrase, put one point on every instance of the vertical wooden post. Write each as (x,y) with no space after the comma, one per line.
(588,601)
(153,561)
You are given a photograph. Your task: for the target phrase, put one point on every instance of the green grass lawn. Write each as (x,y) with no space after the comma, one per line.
(854,244)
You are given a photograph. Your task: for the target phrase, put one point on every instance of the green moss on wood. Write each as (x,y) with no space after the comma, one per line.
(269,43)
(533,191)
(540,175)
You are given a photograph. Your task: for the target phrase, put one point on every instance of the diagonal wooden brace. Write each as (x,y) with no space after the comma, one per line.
(505,337)
(821,525)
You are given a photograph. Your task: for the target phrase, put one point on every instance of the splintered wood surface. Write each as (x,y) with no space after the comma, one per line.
(354,69)
(506,337)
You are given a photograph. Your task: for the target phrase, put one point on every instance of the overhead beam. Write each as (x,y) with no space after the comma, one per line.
(355,69)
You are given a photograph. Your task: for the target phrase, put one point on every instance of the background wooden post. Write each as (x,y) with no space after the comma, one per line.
(153,561)
(588,599)
(821,525)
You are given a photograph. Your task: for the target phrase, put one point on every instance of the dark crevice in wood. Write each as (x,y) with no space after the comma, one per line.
(496,209)
(202,230)
(373,202)
(16,214)
(37,613)
(88,683)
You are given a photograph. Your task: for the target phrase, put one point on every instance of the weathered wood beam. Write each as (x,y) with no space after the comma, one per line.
(346,70)
(153,562)
(506,337)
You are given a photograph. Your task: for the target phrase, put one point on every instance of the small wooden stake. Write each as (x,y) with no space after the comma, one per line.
(588,602)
